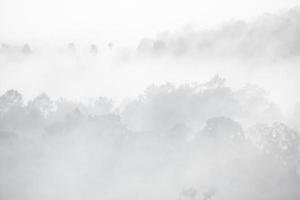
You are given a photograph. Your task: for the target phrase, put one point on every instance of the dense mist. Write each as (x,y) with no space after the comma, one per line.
(192,141)
(188,114)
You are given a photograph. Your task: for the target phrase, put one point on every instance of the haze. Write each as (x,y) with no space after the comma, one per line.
(152,100)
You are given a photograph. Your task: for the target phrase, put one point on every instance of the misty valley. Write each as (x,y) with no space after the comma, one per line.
(107,101)
(201,141)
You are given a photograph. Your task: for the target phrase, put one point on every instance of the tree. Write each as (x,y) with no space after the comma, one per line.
(11,110)
(26,49)
(41,105)
(9,99)
(71,47)
(223,128)
(93,49)
(278,140)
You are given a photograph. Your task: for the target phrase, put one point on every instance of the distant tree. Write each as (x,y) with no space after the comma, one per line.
(102,106)
(4,46)
(190,193)
(10,98)
(11,110)
(278,140)
(145,46)
(71,47)
(215,82)
(26,49)
(93,49)
(179,46)
(159,46)
(208,195)
(41,105)
(161,108)
(110,45)
(223,128)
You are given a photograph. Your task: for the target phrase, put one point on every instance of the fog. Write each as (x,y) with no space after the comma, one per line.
(196,141)
(186,114)
(257,51)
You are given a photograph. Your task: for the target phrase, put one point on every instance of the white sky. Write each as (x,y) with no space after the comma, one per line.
(119,20)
